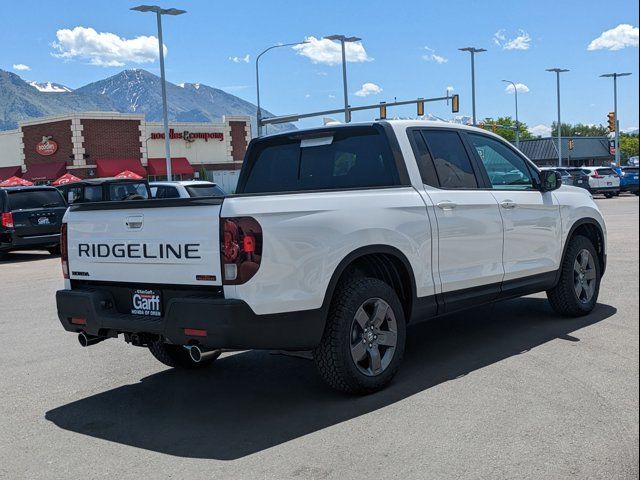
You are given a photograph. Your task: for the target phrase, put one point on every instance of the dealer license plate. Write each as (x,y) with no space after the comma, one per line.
(146,302)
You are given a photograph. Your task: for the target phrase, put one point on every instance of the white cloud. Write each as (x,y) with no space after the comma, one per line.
(541,131)
(332,96)
(521,87)
(103,48)
(321,50)
(622,36)
(432,56)
(521,42)
(308,95)
(369,88)
(244,59)
(21,67)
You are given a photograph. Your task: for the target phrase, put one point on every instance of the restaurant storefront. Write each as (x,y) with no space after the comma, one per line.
(93,145)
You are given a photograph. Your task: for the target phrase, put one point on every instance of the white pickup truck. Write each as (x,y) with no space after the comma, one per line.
(337,239)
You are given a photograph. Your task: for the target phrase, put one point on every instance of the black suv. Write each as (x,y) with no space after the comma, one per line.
(30,219)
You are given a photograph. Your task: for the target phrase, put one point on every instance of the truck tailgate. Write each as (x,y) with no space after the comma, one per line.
(146,242)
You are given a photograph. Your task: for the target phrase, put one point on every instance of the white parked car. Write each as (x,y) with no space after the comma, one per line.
(337,238)
(603,180)
(185,189)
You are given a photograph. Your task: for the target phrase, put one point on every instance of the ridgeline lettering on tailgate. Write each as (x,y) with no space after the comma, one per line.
(187,251)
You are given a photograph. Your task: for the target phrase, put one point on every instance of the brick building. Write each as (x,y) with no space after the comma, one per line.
(97,144)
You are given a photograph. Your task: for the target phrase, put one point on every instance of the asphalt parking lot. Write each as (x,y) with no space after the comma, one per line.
(510,391)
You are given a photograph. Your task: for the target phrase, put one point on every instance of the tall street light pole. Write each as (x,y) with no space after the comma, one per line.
(259,112)
(343,40)
(473,51)
(165,115)
(615,109)
(558,71)
(515,92)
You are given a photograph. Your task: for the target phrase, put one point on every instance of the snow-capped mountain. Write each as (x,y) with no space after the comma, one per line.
(139,91)
(130,91)
(49,87)
(21,101)
(459,119)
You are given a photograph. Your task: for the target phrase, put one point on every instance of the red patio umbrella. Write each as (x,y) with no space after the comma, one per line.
(15,182)
(129,174)
(66,178)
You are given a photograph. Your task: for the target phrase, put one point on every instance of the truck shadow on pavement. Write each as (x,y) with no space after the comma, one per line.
(252,401)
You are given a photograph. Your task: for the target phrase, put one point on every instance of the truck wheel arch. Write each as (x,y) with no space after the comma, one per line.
(590,228)
(384,262)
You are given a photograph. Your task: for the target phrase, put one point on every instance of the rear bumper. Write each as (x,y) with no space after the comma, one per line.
(11,241)
(229,323)
(604,189)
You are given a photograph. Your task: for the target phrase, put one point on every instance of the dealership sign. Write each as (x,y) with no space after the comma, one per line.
(46,147)
(188,136)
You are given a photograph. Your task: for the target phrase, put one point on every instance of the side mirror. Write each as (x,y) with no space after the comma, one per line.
(550,180)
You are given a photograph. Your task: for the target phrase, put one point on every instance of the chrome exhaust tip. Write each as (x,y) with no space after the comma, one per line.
(88,340)
(199,354)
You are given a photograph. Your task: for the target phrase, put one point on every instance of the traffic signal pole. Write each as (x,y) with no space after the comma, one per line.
(615,116)
(382,107)
(615,123)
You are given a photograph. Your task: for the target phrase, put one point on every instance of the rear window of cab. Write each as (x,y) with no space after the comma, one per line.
(347,158)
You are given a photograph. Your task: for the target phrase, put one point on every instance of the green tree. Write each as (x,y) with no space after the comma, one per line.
(628,146)
(505,127)
(579,129)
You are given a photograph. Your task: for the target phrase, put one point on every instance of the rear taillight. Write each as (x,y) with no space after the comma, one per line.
(64,251)
(7,220)
(240,249)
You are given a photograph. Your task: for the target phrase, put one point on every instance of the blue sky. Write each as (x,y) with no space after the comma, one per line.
(522,39)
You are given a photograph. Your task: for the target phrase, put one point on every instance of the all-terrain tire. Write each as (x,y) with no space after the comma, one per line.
(176,356)
(563,296)
(333,357)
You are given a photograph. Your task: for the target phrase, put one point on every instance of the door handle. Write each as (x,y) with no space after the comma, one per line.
(508,204)
(446,205)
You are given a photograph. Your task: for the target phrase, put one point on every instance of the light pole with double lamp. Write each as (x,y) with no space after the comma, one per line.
(615,110)
(515,92)
(558,71)
(165,115)
(473,51)
(259,112)
(343,40)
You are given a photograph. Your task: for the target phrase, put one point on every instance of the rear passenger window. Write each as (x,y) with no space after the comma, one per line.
(347,158)
(450,158)
(424,160)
